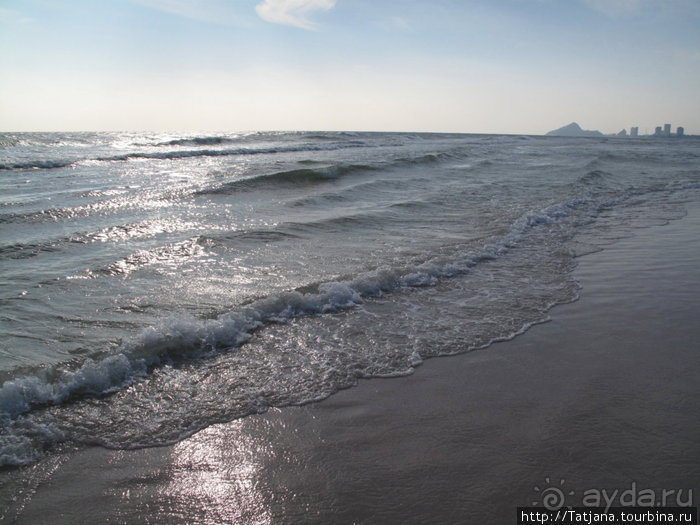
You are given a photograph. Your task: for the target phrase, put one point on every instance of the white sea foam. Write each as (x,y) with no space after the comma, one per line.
(178,338)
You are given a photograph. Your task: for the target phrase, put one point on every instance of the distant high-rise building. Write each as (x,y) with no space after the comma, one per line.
(680,131)
(667,130)
(658,132)
(634,131)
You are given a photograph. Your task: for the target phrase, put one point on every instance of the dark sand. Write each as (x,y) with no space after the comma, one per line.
(602,397)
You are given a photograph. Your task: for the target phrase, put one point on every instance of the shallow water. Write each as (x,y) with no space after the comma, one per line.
(154,285)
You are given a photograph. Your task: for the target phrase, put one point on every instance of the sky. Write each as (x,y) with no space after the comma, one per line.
(473,66)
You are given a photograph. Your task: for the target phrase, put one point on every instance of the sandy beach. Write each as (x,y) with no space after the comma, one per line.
(601,399)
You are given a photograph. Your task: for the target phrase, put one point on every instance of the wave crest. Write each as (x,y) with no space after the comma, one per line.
(184,338)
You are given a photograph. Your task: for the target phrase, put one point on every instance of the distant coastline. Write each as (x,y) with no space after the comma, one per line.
(574,130)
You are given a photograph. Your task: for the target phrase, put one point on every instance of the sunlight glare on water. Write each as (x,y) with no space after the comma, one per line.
(216,479)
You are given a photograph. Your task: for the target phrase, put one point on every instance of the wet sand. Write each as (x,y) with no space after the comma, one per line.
(602,397)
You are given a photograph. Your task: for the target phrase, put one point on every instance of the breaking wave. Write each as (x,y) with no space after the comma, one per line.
(177,338)
(292,177)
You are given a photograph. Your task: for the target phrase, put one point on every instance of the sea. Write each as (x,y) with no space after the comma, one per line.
(152,285)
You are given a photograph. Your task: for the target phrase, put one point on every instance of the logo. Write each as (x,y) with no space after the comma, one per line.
(551,496)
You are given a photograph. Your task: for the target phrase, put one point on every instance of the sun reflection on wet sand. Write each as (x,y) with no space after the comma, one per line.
(216,477)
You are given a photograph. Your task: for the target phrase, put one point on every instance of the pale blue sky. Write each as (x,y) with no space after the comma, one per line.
(493,66)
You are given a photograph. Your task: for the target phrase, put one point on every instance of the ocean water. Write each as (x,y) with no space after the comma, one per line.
(152,285)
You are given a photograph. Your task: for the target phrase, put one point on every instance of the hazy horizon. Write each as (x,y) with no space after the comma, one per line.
(505,66)
(216,133)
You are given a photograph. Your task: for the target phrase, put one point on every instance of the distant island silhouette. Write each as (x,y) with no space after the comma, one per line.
(574,130)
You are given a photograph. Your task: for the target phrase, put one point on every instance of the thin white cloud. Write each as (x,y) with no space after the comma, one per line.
(13,17)
(292,12)
(204,10)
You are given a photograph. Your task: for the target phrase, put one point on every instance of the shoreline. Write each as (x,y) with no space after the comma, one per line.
(599,399)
